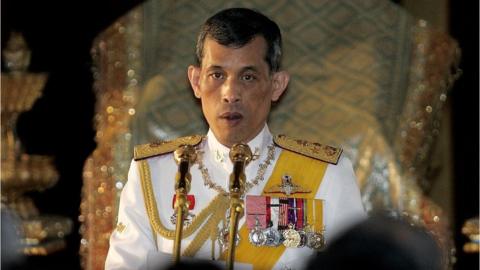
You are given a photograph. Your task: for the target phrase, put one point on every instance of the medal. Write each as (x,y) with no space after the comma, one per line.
(292,237)
(223,237)
(257,211)
(223,233)
(315,240)
(303,239)
(256,236)
(273,237)
(187,219)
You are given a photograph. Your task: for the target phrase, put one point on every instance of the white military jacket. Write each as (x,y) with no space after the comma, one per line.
(133,241)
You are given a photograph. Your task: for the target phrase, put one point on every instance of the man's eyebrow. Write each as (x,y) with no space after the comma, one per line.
(244,69)
(250,68)
(214,67)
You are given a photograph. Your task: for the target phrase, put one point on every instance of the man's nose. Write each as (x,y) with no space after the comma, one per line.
(231,91)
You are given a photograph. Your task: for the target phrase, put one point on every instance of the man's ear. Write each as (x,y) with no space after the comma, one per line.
(279,84)
(194,78)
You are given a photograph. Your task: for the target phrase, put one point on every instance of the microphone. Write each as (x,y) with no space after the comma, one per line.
(184,157)
(240,155)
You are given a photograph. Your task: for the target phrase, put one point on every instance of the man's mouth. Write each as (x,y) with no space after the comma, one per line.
(232,118)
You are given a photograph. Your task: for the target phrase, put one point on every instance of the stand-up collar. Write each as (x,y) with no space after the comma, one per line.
(219,152)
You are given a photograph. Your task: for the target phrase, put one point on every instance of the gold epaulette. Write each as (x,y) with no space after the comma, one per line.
(163,147)
(314,150)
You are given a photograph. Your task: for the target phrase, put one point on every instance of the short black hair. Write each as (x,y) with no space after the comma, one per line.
(235,27)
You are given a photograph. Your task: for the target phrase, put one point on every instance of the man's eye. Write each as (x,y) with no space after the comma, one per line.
(217,75)
(248,77)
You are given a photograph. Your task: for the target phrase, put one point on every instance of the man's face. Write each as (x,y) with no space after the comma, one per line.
(236,89)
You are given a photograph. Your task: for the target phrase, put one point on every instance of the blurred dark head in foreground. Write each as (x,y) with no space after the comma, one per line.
(381,243)
(194,264)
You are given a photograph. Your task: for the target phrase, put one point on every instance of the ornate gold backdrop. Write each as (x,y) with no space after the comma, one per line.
(365,76)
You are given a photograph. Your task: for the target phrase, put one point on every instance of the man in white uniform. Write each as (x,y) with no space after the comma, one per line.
(308,190)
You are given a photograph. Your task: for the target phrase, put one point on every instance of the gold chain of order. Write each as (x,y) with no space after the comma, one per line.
(152,210)
(262,168)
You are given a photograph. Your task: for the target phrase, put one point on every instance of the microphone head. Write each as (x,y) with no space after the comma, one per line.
(185,152)
(240,152)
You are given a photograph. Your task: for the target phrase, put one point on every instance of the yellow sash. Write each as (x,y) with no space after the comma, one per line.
(305,172)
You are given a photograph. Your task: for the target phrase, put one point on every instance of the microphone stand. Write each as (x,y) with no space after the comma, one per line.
(184,156)
(240,155)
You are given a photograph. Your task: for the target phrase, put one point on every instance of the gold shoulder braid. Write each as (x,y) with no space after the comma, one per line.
(310,149)
(163,147)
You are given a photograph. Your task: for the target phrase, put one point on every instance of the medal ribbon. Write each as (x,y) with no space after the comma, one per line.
(315,214)
(269,213)
(283,219)
(292,211)
(190,198)
(300,216)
